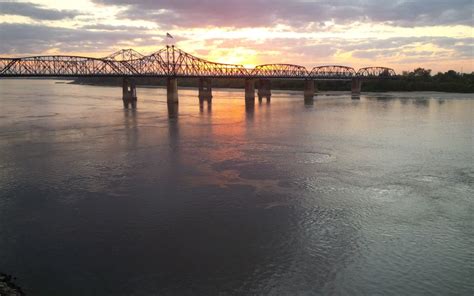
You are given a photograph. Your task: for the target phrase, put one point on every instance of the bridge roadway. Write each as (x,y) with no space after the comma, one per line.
(173,63)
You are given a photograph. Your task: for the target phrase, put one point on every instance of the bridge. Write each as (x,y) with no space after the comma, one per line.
(173,63)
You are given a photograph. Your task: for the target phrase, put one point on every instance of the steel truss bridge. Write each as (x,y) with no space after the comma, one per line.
(171,62)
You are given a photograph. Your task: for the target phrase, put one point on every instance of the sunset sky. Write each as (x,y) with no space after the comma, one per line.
(402,34)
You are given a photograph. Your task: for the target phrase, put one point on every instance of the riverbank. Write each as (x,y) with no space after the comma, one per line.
(461,84)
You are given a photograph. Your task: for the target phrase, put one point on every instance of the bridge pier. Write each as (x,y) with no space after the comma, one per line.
(205,89)
(129,93)
(201,105)
(309,90)
(172,90)
(172,110)
(264,90)
(356,86)
(249,90)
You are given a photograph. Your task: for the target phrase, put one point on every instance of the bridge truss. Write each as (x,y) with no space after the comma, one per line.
(171,62)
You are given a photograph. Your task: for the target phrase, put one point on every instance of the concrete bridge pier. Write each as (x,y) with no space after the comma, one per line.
(172,90)
(356,87)
(201,105)
(264,90)
(309,90)
(249,90)
(173,110)
(205,89)
(129,93)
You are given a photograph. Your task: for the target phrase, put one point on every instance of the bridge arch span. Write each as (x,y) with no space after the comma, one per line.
(280,71)
(184,64)
(125,55)
(332,71)
(60,65)
(376,72)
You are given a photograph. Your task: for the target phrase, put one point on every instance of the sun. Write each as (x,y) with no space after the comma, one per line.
(236,56)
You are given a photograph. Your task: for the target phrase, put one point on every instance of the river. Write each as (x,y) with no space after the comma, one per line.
(342,197)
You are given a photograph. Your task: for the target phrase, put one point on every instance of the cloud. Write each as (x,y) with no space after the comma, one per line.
(33,39)
(423,12)
(20,39)
(104,27)
(104,38)
(355,52)
(399,46)
(252,13)
(35,11)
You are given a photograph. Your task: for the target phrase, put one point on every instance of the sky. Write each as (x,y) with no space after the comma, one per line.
(401,34)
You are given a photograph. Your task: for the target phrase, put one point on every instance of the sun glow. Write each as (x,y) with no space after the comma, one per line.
(236,56)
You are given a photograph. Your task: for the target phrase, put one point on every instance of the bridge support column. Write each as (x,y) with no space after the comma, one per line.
(309,90)
(172,90)
(129,93)
(356,86)
(249,90)
(264,89)
(205,89)
(173,110)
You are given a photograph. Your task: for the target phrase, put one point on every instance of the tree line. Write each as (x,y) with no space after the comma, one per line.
(421,79)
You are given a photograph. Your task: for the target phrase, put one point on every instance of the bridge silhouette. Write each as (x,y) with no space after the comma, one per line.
(173,63)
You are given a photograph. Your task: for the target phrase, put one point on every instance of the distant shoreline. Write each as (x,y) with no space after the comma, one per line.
(292,90)
(462,84)
(459,84)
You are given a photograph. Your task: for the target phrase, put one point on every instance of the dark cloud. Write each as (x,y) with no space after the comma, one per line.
(252,13)
(35,11)
(29,39)
(423,12)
